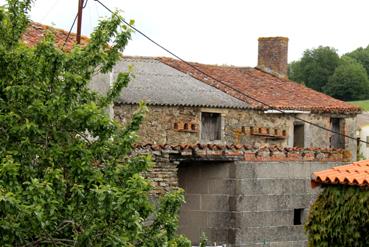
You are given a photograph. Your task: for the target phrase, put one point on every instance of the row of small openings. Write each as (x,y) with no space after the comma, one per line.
(267,131)
(186,126)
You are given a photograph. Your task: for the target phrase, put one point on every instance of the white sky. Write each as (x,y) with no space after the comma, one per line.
(224,32)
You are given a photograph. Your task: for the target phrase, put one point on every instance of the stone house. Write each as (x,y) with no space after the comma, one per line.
(188,107)
(245,167)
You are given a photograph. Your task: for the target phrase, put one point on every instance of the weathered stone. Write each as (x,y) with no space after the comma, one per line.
(158,128)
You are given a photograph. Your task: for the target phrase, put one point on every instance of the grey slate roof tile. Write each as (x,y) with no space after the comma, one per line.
(159,84)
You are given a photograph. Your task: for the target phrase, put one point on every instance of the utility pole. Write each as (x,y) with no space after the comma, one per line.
(79,21)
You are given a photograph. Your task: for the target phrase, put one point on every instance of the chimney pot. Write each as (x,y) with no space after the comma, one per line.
(272,55)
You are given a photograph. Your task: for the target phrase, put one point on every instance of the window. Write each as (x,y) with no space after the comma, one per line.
(337,140)
(210,126)
(298,135)
(298,216)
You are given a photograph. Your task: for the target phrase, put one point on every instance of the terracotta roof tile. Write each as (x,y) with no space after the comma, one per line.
(356,173)
(277,92)
(36,31)
(244,152)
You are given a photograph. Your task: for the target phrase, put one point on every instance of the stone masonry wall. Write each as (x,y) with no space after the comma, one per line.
(163,175)
(164,125)
(247,203)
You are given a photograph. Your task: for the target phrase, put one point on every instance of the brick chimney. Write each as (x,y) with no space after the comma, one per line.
(272,55)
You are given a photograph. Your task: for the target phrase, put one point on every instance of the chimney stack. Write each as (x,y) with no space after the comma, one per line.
(272,55)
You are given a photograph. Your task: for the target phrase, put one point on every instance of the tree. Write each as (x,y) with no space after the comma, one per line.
(349,81)
(315,67)
(361,55)
(339,217)
(67,175)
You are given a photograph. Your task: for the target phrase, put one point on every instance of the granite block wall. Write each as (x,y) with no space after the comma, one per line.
(247,203)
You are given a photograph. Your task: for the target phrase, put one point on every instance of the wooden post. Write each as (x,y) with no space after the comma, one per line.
(357,148)
(79,21)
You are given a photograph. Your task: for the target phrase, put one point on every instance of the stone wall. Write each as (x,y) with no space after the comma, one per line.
(164,125)
(240,195)
(163,175)
(247,203)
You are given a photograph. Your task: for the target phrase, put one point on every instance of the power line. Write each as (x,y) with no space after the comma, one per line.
(219,81)
(71,28)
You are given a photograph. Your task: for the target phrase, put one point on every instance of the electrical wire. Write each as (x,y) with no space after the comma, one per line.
(228,86)
(72,26)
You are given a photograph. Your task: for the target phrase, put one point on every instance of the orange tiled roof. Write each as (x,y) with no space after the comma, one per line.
(36,31)
(356,173)
(277,92)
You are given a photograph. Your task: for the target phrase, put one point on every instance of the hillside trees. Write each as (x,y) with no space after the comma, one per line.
(361,55)
(315,67)
(342,77)
(349,81)
(67,175)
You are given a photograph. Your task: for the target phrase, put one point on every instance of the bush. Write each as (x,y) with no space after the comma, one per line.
(339,217)
(67,176)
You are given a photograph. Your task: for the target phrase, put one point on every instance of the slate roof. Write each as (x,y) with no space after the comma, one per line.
(356,174)
(159,84)
(36,32)
(277,92)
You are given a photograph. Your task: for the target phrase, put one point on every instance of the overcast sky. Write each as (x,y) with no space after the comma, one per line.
(224,32)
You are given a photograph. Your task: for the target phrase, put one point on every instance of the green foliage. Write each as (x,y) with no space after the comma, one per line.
(361,55)
(66,174)
(349,81)
(295,72)
(339,217)
(203,240)
(364,104)
(315,67)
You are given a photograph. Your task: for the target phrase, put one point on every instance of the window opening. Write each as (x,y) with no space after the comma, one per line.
(337,140)
(298,216)
(298,135)
(210,126)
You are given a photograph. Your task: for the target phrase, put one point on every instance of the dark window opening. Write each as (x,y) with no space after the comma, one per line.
(298,216)
(210,126)
(284,132)
(298,135)
(337,139)
(185,126)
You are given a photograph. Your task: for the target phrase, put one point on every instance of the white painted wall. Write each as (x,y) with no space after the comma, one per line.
(364,135)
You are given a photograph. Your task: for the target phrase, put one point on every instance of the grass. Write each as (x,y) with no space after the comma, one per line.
(364,104)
